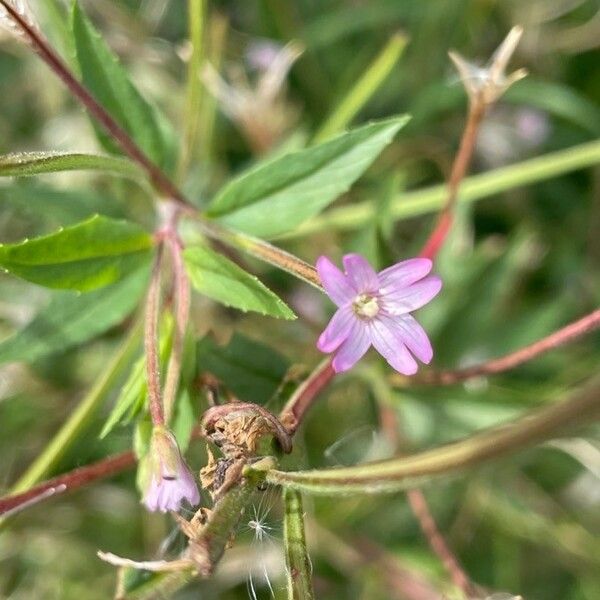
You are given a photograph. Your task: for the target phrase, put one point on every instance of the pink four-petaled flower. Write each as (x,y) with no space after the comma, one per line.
(373,309)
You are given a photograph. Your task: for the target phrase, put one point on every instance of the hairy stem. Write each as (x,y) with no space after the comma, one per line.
(303,398)
(182,313)
(411,471)
(297,560)
(563,336)
(151,341)
(261,250)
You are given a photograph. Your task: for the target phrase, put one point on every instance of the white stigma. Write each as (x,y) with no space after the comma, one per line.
(366,306)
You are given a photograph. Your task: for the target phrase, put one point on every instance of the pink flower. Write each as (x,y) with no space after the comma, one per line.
(169,480)
(373,308)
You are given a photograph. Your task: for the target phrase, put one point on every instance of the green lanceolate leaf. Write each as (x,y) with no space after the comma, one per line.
(89,255)
(24,164)
(274,198)
(222,280)
(252,371)
(107,80)
(71,319)
(52,207)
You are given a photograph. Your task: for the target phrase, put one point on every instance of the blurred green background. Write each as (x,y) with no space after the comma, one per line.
(518,265)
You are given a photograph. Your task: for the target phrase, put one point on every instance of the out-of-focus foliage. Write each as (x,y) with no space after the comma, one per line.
(517,266)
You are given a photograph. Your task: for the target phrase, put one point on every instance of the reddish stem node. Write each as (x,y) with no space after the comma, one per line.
(295,410)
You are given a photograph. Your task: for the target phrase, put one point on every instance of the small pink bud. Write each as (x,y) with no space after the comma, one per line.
(169,480)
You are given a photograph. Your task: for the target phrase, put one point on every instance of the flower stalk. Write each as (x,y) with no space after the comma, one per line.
(151,340)
(303,398)
(182,292)
(484,86)
(477,110)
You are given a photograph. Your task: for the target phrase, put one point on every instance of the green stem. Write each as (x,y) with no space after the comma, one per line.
(208,547)
(362,91)
(477,187)
(261,250)
(297,560)
(80,418)
(196,18)
(208,108)
(411,471)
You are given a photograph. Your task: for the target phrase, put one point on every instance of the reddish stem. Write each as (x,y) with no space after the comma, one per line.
(391,429)
(304,397)
(459,169)
(151,341)
(68,482)
(182,313)
(129,147)
(563,336)
(436,541)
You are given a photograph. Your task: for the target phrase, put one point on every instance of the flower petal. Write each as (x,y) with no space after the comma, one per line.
(414,296)
(404,273)
(335,282)
(337,331)
(415,338)
(353,349)
(360,273)
(387,341)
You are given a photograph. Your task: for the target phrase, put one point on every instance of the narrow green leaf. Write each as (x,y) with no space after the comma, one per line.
(473,188)
(276,197)
(89,255)
(252,371)
(79,419)
(109,83)
(23,164)
(411,471)
(297,560)
(52,207)
(132,394)
(222,280)
(184,419)
(72,319)
(363,89)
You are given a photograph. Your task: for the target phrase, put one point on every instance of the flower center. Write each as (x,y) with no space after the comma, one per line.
(365,306)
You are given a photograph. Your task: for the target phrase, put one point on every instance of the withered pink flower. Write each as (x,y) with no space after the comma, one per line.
(169,479)
(373,309)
